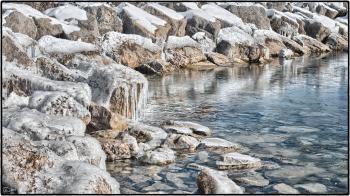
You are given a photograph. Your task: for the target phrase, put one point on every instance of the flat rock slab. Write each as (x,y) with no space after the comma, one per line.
(160,156)
(218,144)
(285,189)
(238,161)
(186,127)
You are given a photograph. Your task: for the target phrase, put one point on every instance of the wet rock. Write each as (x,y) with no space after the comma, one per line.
(199,21)
(38,126)
(182,51)
(312,187)
(250,13)
(294,172)
(146,133)
(253,179)
(237,161)
(159,156)
(286,54)
(181,142)
(196,166)
(138,21)
(158,186)
(337,42)
(19,23)
(218,59)
(313,45)
(202,156)
(186,127)
(218,144)
(213,182)
(176,20)
(296,129)
(58,103)
(157,67)
(102,119)
(130,50)
(285,189)
(176,179)
(207,44)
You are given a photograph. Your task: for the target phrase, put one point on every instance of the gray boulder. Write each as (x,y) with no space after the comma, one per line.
(20,23)
(159,156)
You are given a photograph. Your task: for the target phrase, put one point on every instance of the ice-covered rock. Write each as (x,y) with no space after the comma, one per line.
(13,100)
(282,23)
(103,119)
(20,23)
(271,40)
(317,30)
(67,12)
(200,21)
(176,20)
(185,6)
(238,161)
(159,156)
(207,44)
(182,51)
(286,53)
(189,128)
(156,67)
(337,42)
(146,133)
(210,181)
(218,144)
(279,6)
(250,13)
(324,9)
(181,142)
(58,103)
(218,59)
(313,45)
(138,21)
(128,49)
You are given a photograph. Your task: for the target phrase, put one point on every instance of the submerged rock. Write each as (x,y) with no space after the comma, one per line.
(159,156)
(253,179)
(312,187)
(214,182)
(218,144)
(285,189)
(238,161)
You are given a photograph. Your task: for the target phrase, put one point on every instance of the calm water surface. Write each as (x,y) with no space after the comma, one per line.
(258,107)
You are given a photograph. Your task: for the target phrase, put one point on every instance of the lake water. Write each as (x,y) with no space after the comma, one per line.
(291,114)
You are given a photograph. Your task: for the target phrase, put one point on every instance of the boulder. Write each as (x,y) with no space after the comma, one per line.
(195,128)
(316,29)
(250,13)
(339,7)
(210,181)
(138,21)
(283,24)
(176,20)
(270,40)
(218,144)
(182,51)
(205,42)
(181,142)
(145,133)
(200,21)
(237,161)
(42,6)
(313,45)
(156,67)
(279,6)
(58,103)
(159,156)
(45,27)
(19,23)
(115,149)
(312,187)
(218,59)
(286,54)
(184,6)
(130,50)
(324,9)
(102,119)
(336,42)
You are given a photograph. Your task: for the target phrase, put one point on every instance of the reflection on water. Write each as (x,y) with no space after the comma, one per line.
(249,105)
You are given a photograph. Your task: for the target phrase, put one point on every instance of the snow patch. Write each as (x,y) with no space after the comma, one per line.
(180,42)
(199,13)
(166,11)
(65,12)
(222,14)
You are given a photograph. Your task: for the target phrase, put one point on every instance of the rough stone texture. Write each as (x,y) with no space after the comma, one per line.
(285,189)
(159,156)
(238,161)
(177,25)
(270,40)
(207,44)
(254,14)
(31,167)
(42,6)
(145,133)
(336,42)
(130,50)
(45,27)
(58,103)
(316,30)
(156,67)
(219,59)
(102,119)
(280,6)
(218,144)
(313,45)
(196,23)
(181,142)
(282,24)
(323,9)
(115,149)
(20,23)
(213,182)
(13,51)
(195,129)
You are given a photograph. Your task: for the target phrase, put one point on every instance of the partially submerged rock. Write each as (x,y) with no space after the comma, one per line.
(238,161)
(159,156)
(285,189)
(218,144)
(181,142)
(145,133)
(186,127)
(214,182)
(312,187)
(219,59)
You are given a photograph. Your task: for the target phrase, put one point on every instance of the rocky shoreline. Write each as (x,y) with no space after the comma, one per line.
(73,84)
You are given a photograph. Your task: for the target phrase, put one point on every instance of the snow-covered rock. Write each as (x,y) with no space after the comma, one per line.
(236,160)
(337,42)
(207,44)
(145,133)
(159,156)
(313,45)
(286,53)
(282,23)
(66,12)
(181,142)
(20,23)
(218,144)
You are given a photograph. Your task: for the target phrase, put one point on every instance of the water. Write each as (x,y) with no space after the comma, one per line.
(258,107)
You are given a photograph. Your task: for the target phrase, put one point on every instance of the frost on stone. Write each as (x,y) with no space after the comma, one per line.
(31,12)
(50,44)
(235,35)
(222,14)
(205,42)
(14,100)
(166,11)
(180,42)
(199,13)
(66,12)
(190,5)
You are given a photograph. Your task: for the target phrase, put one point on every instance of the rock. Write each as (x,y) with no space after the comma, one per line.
(102,119)
(160,156)
(176,20)
(42,171)
(213,182)
(295,44)
(280,6)
(183,6)
(13,100)
(313,45)
(130,50)
(283,24)
(132,142)
(182,51)
(177,129)
(205,42)
(285,189)
(39,126)
(317,30)
(58,103)
(270,40)
(20,23)
(42,6)
(312,187)
(238,161)
(196,129)
(340,8)
(181,142)
(156,67)
(202,156)
(196,167)
(138,21)
(337,42)
(176,179)
(286,53)
(250,13)
(201,66)
(115,149)
(323,9)
(89,150)
(253,179)
(45,27)
(146,133)
(199,21)
(218,59)
(218,144)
